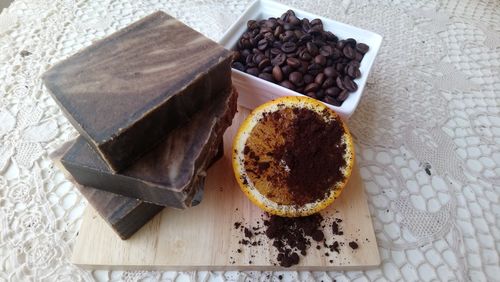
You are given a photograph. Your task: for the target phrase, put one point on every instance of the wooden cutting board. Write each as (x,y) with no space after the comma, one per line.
(204,237)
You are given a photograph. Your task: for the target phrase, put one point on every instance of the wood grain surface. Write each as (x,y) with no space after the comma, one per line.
(204,237)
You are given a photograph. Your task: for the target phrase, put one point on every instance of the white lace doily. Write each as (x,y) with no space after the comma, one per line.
(427,133)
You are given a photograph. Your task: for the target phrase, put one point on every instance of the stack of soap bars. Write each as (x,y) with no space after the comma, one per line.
(151,103)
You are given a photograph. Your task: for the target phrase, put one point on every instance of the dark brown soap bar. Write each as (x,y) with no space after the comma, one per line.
(127,215)
(125,93)
(165,175)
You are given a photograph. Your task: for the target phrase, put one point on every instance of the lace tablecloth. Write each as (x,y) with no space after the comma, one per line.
(427,133)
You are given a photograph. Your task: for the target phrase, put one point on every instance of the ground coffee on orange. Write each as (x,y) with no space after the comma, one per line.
(313,152)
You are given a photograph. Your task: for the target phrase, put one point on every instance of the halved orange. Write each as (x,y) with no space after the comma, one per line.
(292,156)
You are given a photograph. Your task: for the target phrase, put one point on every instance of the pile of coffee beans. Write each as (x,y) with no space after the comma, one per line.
(300,55)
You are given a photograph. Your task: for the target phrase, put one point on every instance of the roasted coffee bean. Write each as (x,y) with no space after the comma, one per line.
(326,50)
(312,48)
(249,59)
(245,53)
(311,87)
(331,72)
(308,78)
(253,71)
(341,44)
(253,41)
(303,67)
(332,101)
(300,89)
(268,69)
(266,76)
(277,73)
(279,60)
(319,42)
(320,94)
(257,58)
(362,48)
(275,51)
(315,30)
(251,24)
(293,20)
(296,78)
(333,91)
(287,84)
(289,38)
(349,84)
(293,62)
(262,45)
(331,37)
(288,26)
(288,47)
(298,34)
(314,69)
(271,23)
(320,60)
(265,29)
(339,67)
(354,63)
(286,69)
(279,30)
(312,95)
(353,71)
(239,66)
(351,42)
(329,82)
(264,63)
(320,78)
(339,83)
(349,52)
(267,53)
(305,56)
(343,96)
(305,38)
(358,57)
(316,22)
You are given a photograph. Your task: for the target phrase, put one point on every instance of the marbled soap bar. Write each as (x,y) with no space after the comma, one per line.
(165,175)
(127,215)
(123,214)
(125,93)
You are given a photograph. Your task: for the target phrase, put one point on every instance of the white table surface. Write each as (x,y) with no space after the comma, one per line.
(427,133)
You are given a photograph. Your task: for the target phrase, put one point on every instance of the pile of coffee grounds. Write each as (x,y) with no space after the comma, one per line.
(314,154)
(292,236)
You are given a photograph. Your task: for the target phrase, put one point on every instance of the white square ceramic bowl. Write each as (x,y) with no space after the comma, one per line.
(255,91)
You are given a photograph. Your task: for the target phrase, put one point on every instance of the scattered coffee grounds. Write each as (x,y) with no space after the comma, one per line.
(334,247)
(336,230)
(353,245)
(300,55)
(292,236)
(248,233)
(313,153)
